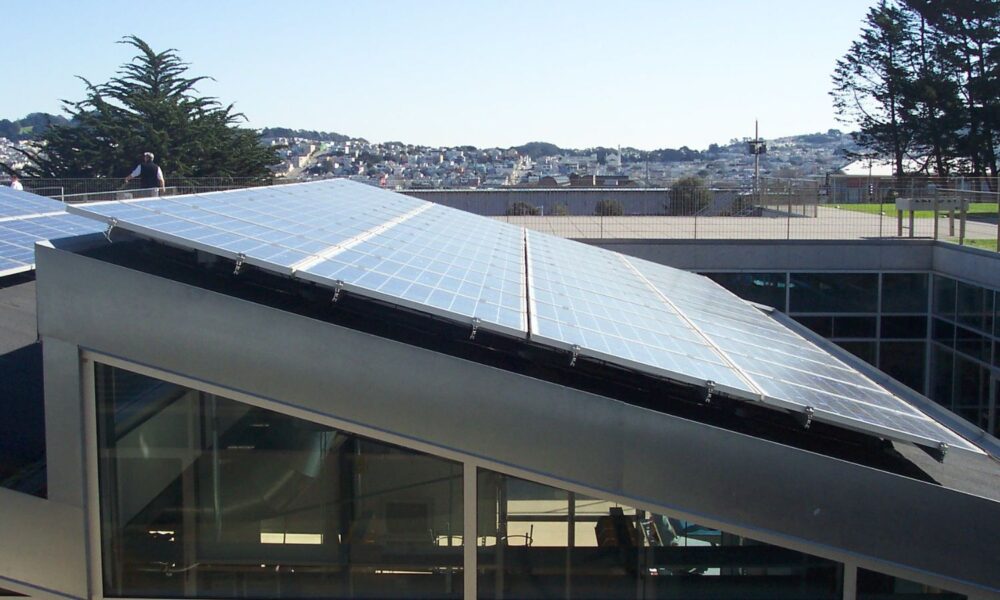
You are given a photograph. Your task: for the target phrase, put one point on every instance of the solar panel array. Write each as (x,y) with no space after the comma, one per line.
(586,300)
(26,218)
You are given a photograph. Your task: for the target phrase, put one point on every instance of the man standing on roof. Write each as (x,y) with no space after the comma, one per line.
(149,173)
(15,182)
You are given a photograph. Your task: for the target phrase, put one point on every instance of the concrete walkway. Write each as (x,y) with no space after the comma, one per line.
(828,224)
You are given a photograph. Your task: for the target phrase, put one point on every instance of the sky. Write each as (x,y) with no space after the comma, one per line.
(658,74)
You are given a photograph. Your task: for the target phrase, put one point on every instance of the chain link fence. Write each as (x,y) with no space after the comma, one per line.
(961,210)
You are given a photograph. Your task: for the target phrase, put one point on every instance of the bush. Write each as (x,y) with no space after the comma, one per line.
(558,210)
(609,208)
(520,209)
(688,195)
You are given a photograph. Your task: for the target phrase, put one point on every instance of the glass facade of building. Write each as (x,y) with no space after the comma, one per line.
(209,497)
(203,496)
(937,335)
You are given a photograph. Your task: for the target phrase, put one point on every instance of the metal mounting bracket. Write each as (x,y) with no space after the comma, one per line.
(338,286)
(475,327)
(807,417)
(111,226)
(709,391)
(240,261)
(576,354)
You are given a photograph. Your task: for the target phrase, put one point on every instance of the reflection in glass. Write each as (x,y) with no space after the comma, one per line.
(863,350)
(904,361)
(944,296)
(942,367)
(763,288)
(975,307)
(904,293)
(833,292)
(205,496)
(537,541)
(873,586)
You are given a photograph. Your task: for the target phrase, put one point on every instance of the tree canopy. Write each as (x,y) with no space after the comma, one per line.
(688,195)
(922,82)
(150,105)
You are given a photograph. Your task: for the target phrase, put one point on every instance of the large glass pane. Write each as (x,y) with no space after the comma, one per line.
(854,327)
(904,293)
(875,586)
(904,361)
(863,350)
(205,496)
(944,297)
(975,307)
(22,420)
(942,369)
(904,327)
(972,388)
(833,292)
(537,541)
(764,288)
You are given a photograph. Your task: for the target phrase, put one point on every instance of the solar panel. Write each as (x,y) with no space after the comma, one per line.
(788,369)
(442,260)
(584,297)
(585,300)
(26,218)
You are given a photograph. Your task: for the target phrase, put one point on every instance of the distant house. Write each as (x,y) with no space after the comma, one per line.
(553,181)
(601,181)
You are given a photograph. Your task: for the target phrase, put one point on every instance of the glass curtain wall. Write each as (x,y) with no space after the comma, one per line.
(536,541)
(204,496)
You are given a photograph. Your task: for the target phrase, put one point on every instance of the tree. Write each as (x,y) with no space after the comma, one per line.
(967,43)
(688,195)
(521,209)
(609,208)
(870,79)
(151,105)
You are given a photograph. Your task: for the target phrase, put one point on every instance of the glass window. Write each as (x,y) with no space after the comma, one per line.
(972,389)
(943,332)
(974,344)
(904,362)
(537,541)
(942,368)
(763,288)
(873,585)
(820,325)
(854,327)
(863,350)
(904,293)
(975,307)
(203,496)
(833,292)
(944,296)
(904,327)
(22,421)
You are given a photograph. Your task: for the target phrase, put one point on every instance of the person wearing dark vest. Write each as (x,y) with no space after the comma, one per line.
(149,173)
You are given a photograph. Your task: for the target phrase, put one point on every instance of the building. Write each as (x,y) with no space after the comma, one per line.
(329,390)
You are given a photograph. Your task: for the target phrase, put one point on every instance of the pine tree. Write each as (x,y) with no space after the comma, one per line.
(870,80)
(151,105)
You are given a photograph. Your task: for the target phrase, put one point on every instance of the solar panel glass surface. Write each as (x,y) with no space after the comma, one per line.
(25,219)
(784,366)
(443,260)
(585,296)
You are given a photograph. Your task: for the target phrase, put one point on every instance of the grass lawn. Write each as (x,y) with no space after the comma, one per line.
(889,209)
(983,244)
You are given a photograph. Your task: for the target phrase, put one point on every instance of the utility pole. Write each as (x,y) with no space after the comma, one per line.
(756,147)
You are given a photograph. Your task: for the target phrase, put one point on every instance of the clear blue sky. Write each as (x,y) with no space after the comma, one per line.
(487,73)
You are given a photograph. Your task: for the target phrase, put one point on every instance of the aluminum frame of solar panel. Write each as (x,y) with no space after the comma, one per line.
(583,299)
(832,390)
